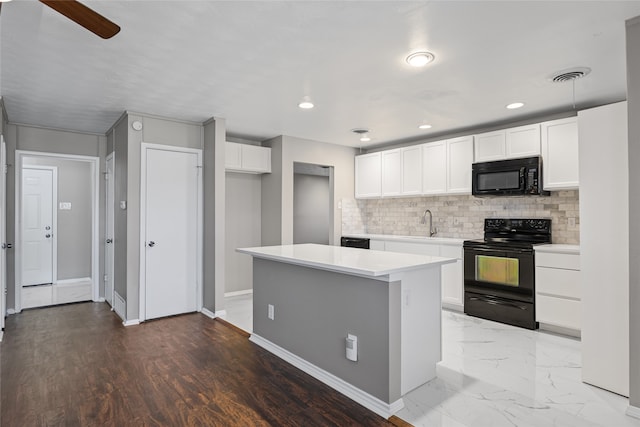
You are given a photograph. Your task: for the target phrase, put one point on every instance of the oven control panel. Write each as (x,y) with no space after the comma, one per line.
(517,225)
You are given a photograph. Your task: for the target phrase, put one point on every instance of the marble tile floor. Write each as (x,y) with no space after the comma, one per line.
(497,375)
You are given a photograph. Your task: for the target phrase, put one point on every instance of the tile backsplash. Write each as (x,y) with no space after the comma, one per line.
(460,216)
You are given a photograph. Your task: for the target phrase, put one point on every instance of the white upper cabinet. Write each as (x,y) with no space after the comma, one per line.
(412,170)
(247,158)
(523,141)
(434,168)
(368,169)
(490,146)
(392,172)
(459,160)
(560,154)
(233,156)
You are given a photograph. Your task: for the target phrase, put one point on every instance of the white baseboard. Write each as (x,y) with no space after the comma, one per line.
(132,322)
(633,411)
(1,335)
(101,299)
(74,281)
(238,293)
(210,314)
(11,311)
(221,313)
(370,402)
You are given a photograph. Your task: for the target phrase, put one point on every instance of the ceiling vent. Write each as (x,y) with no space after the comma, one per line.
(570,74)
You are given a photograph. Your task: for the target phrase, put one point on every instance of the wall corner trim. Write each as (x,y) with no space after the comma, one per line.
(132,322)
(633,411)
(365,399)
(210,314)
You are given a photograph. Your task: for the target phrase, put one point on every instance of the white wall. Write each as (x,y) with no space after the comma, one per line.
(243,227)
(311,204)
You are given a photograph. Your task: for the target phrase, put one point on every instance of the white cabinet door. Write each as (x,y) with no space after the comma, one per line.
(452,285)
(233,155)
(560,154)
(412,170)
(523,141)
(459,160)
(256,158)
(392,172)
(490,146)
(368,175)
(434,168)
(247,158)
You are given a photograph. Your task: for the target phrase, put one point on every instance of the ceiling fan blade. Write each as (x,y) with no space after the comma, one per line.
(85,17)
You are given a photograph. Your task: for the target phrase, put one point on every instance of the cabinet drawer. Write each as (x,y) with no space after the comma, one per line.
(559,282)
(555,260)
(558,311)
(449,251)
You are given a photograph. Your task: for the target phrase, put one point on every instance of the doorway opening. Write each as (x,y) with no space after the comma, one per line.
(312,203)
(57,218)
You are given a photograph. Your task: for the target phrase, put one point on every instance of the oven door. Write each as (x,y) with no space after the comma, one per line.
(504,273)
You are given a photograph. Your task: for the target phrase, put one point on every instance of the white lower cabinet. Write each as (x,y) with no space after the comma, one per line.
(558,296)
(376,245)
(451,278)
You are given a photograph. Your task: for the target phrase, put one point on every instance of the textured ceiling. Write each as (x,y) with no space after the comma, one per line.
(252,62)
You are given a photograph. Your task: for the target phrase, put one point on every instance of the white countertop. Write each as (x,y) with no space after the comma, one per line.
(346,260)
(558,248)
(416,239)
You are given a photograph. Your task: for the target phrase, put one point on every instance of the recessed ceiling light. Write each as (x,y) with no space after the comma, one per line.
(306,103)
(420,59)
(365,138)
(515,105)
(424,127)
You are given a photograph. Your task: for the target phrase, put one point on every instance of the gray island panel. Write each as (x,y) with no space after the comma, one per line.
(314,310)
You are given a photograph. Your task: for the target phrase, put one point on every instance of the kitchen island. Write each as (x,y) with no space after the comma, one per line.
(308,298)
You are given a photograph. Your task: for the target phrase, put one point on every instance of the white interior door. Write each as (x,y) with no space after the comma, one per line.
(170,232)
(109,227)
(37,226)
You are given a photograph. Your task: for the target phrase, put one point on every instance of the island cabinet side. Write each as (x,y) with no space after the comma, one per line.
(314,310)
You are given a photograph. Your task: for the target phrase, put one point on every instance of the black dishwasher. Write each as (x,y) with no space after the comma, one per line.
(355,242)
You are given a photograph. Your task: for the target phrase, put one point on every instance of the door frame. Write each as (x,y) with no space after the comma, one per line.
(54,223)
(144,146)
(95,231)
(110,247)
(3,232)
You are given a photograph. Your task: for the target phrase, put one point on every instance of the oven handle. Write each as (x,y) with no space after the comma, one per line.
(497,302)
(503,250)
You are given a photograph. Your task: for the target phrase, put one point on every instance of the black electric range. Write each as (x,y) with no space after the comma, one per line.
(499,270)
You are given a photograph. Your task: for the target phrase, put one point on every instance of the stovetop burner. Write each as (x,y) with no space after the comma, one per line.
(516,233)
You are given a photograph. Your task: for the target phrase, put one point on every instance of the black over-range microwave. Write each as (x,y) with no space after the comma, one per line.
(513,177)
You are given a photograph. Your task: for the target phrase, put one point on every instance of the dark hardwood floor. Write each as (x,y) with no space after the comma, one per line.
(76,365)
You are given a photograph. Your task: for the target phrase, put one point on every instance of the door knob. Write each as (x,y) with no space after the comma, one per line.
(152,244)
(109,240)
(47,235)
(47,228)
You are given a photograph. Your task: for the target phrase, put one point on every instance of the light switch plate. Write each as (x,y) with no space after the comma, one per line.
(65,206)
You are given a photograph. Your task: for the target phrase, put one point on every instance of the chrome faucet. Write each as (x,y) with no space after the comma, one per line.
(432,231)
